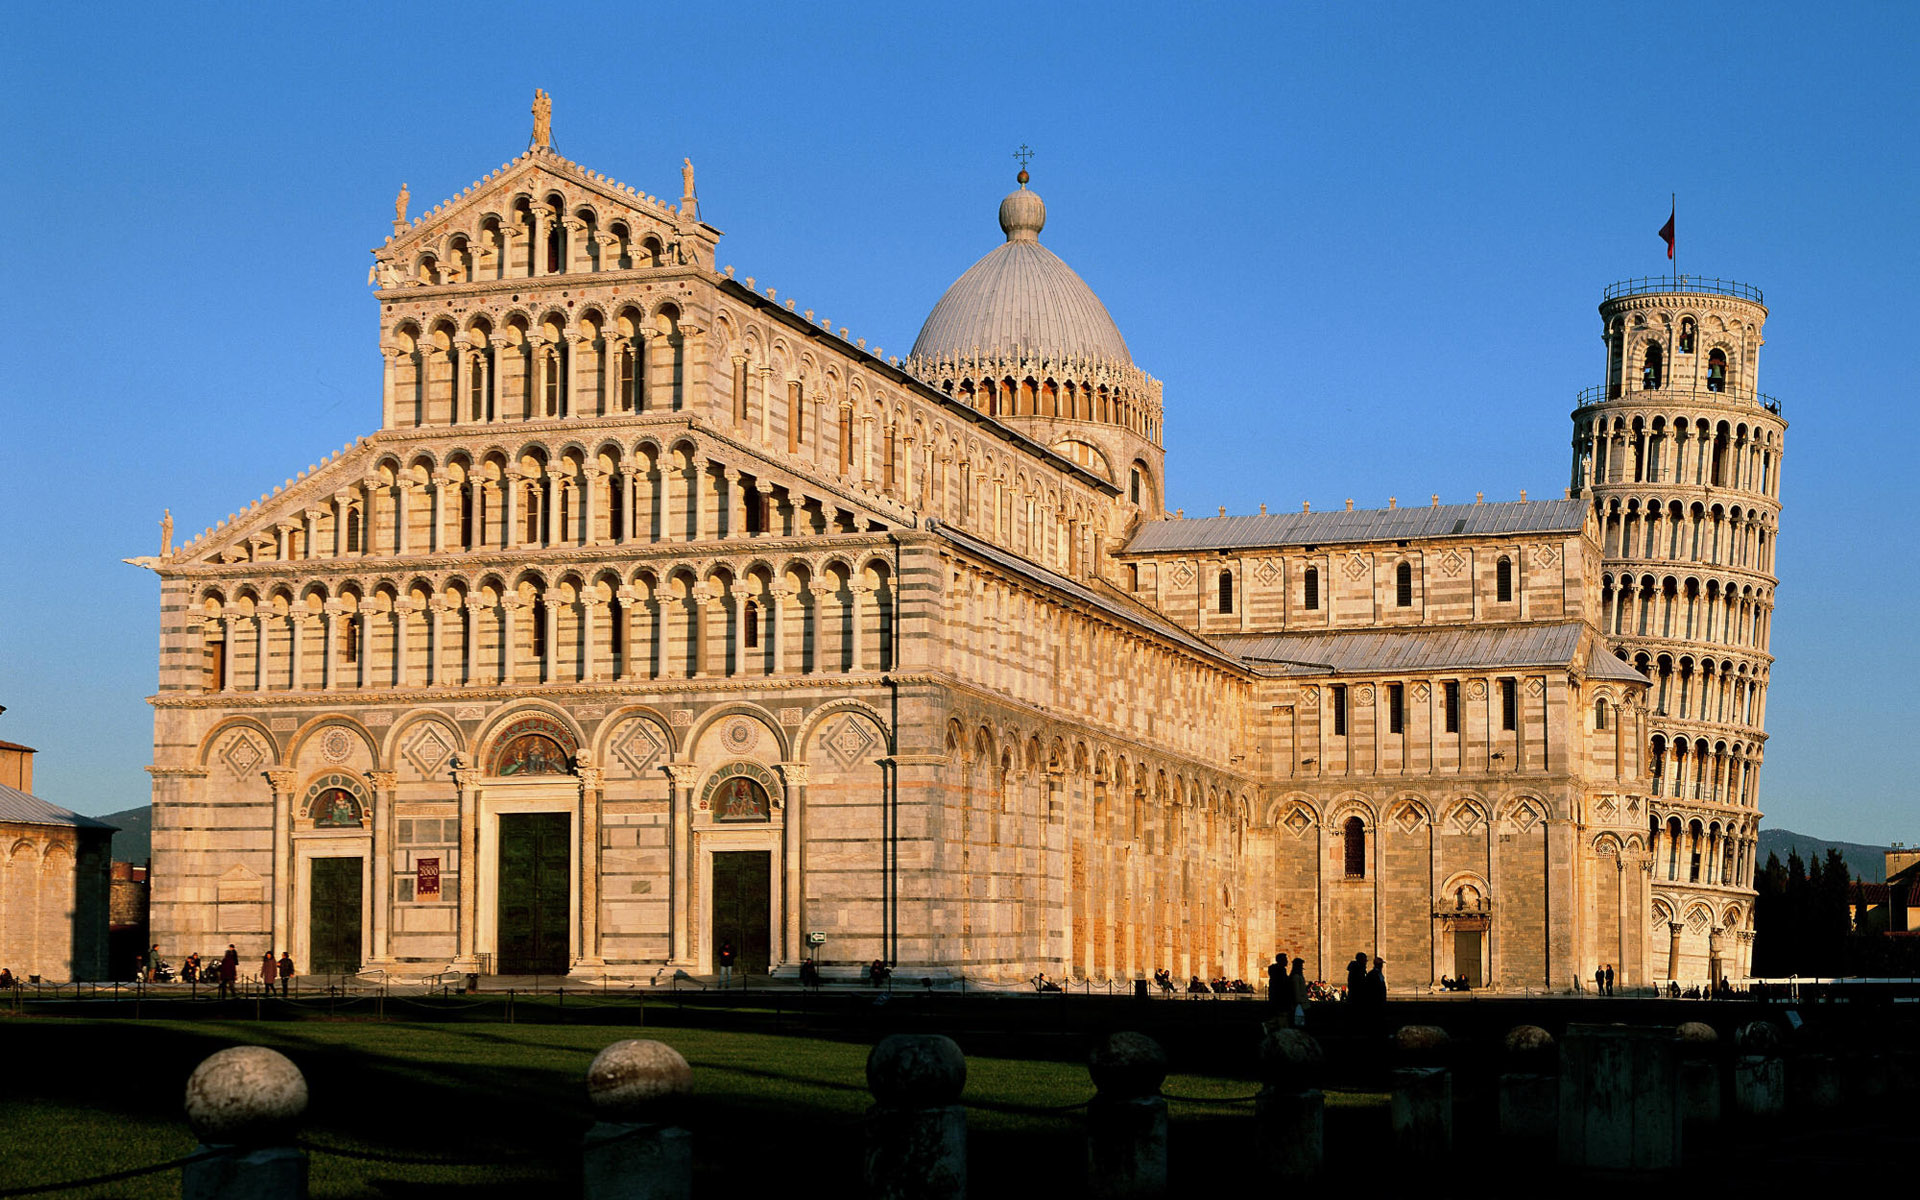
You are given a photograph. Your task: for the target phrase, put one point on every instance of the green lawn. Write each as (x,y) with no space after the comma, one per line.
(88,1097)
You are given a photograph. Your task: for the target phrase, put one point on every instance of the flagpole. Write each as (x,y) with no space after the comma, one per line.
(1673,201)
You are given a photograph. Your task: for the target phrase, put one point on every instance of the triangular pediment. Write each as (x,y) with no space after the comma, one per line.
(504,197)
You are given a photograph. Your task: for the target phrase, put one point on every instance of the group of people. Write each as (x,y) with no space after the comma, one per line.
(224,972)
(1287,989)
(1367,986)
(1603,979)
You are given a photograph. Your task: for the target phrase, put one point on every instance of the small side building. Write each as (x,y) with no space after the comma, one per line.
(54,885)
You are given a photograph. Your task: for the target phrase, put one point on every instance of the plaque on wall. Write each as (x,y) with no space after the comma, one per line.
(426,878)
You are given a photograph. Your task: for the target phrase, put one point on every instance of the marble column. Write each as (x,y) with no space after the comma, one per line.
(296,626)
(793,872)
(281,780)
(589,492)
(383,783)
(466,782)
(588,818)
(680,882)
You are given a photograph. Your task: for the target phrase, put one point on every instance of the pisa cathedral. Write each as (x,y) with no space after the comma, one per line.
(657,614)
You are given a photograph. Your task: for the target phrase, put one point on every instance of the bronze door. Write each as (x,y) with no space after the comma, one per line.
(333,916)
(536,860)
(1466,956)
(742,898)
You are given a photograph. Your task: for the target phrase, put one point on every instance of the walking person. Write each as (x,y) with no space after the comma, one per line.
(726,965)
(286,972)
(1609,979)
(269,969)
(1279,992)
(1297,991)
(1600,981)
(229,970)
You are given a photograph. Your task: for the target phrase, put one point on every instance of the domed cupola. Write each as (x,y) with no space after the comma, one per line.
(1019,336)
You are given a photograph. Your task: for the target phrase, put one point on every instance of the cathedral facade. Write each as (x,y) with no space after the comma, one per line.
(658,615)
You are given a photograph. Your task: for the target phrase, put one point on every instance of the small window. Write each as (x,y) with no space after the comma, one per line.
(539,642)
(1403,585)
(1509,704)
(1133,486)
(1353,836)
(1226,592)
(1686,336)
(353,638)
(1396,707)
(1600,712)
(1133,577)
(1450,701)
(1717,371)
(1312,581)
(353,531)
(1339,691)
(751,633)
(1503,580)
(1650,368)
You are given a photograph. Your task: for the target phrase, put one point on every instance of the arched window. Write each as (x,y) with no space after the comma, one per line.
(751,633)
(1686,336)
(626,379)
(553,247)
(1503,580)
(550,359)
(353,639)
(616,509)
(353,530)
(1353,837)
(1226,592)
(1600,712)
(466,515)
(1650,369)
(477,386)
(1312,582)
(1717,371)
(1403,585)
(1133,486)
(537,613)
(617,636)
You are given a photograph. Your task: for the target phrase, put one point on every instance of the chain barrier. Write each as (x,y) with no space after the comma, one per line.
(1210,1099)
(41,1189)
(421,1160)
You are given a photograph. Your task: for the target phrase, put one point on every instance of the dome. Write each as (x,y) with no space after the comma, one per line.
(1021,301)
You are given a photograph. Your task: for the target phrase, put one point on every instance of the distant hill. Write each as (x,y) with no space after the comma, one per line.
(1865,862)
(134,842)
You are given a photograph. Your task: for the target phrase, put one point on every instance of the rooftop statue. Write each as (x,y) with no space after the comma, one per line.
(542,119)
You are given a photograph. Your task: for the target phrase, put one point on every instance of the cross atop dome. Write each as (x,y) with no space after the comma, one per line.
(1025,155)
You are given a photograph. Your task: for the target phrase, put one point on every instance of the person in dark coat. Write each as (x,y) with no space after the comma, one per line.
(1609,979)
(1279,992)
(1357,978)
(229,970)
(1297,988)
(286,972)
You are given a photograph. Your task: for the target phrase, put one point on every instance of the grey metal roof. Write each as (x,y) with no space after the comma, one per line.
(1360,525)
(1123,609)
(1604,664)
(25,808)
(1376,651)
(1021,300)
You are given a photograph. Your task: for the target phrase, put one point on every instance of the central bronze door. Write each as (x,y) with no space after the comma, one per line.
(742,900)
(536,861)
(1466,956)
(333,916)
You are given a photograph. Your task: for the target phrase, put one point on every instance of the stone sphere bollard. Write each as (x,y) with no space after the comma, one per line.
(1700,1083)
(1422,1045)
(1698,1037)
(917,1132)
(1528,1087)
(1758,1037)
(916,1070)
(1127,1119)
(246,1096)
(634,1152)
(1125,1066)
(630,1080)
(251,1099)
(1289,1114)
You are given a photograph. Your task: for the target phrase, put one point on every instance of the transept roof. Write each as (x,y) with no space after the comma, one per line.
(1360,525)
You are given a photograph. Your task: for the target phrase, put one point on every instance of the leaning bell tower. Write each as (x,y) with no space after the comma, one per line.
(1679,453)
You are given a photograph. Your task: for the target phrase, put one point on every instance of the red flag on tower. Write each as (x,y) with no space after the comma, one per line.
(1666,231)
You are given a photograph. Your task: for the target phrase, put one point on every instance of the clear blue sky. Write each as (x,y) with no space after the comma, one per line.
(1362,245)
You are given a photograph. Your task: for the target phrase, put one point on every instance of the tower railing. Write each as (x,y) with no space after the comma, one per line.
(1647,285)
(1600,393)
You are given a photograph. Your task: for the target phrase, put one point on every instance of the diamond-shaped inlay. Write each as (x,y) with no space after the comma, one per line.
(848,741)
(243,755)
(1524,817)
(1409,818)
(1356,567)
(1467,820)
(1421,691)
(1698,921)
(1182,573)
(1309,697)
(638,746)
(1546,556)
(1607,809)
(1298,822)
(1267,571)
(1451,564)
(1536,686)
(428,749)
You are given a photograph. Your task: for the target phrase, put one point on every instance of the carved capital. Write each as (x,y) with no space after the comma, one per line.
(383,781)
(465,778)
(794,773)
(280,779)
(589,777)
